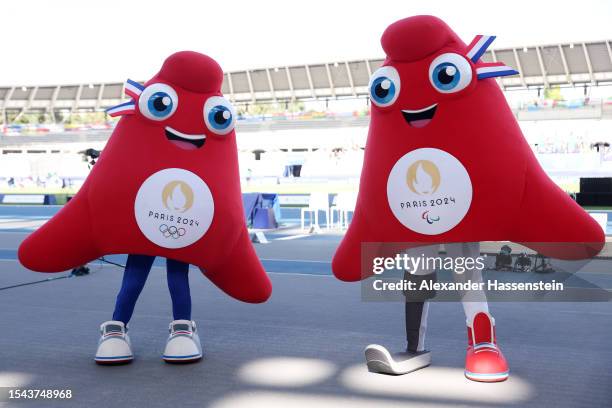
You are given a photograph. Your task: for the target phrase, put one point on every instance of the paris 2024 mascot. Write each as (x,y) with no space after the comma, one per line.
(446,163)
(167,184)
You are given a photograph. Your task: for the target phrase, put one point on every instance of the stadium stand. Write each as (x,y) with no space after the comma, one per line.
(318,130)
(539,66)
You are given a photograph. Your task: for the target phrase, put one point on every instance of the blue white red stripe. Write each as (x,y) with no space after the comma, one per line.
(133,88)
(126,108)
(479,46)
(494,69)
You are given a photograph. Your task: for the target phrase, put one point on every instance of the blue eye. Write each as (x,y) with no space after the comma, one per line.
(450,73)
(384,86)
(446,76)
(219,115)
(383,90)
(158,102)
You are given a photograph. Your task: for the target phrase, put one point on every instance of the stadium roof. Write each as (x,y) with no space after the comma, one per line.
(570,64)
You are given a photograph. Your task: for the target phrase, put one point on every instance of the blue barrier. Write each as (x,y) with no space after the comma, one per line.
(261,210)
(249,203)
(270,200)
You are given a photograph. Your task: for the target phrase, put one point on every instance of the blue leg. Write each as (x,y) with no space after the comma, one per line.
(136,271)
(178,284)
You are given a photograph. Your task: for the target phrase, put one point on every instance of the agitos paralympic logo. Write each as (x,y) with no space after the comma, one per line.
(429,191)
(429,218)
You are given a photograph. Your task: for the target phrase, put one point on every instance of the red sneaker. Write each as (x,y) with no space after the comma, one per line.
(484,361)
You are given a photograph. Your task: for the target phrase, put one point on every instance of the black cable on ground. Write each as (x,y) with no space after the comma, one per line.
(70,275)
(80,271)
(110,262)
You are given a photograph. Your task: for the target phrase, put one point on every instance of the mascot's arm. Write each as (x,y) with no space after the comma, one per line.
(240,274)
(551,223)
(68,232)
(346,263)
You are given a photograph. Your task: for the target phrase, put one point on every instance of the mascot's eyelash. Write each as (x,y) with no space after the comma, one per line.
(132,89)
(476,49)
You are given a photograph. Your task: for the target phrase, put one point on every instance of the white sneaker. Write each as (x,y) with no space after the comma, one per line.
(183,345)
(114,346)
(379,360)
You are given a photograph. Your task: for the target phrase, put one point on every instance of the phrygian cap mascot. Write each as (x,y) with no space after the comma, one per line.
(444,159)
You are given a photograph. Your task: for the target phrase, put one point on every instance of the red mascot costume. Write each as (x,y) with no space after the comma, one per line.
(167,184)
(442,146)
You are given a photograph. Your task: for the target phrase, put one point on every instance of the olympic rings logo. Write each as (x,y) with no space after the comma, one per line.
(171,231)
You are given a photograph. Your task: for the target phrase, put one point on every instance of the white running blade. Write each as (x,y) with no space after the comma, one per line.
(379,360)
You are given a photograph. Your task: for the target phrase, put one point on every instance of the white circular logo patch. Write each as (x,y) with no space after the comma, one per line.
(174,208)
(429,191)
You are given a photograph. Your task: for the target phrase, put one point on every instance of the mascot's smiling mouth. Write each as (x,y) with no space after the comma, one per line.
(421,117)
(183,140)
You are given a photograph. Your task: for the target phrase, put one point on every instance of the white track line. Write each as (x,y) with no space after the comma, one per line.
(290,237)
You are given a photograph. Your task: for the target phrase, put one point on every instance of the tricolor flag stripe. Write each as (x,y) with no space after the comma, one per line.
(126,108)
(133,88)
(490,71)
(479,46)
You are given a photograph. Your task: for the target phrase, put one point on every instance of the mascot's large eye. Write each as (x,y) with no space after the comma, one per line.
(219,115)
(384,86)
(450,73)
(158,102)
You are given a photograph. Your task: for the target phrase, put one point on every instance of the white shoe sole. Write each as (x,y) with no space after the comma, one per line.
(182,359)
(113,360)
(495,377)
(379,360)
